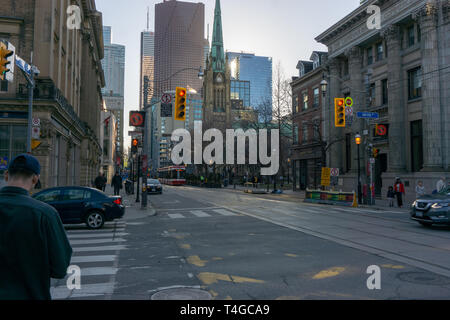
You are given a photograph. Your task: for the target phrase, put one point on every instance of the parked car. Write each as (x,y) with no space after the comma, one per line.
(154,186)
(432,209)
(83,205)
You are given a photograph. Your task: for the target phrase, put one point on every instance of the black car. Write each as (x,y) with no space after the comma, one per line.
(154,186)
(83,205)
(432,209)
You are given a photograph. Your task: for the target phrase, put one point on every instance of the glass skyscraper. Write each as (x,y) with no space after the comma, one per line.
(147,68)
(255,69)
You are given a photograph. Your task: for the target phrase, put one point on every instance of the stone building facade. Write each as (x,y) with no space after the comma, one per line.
(401,72)
(67,96)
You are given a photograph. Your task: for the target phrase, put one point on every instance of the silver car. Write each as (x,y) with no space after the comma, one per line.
(432,209)
(154,186)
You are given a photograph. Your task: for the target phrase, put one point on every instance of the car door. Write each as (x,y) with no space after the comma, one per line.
(74,204)
(53,198)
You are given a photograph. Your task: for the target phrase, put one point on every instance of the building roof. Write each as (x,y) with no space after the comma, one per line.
(217,50)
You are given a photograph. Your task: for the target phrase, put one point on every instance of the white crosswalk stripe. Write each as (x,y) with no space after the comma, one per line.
(176,216)
(200,214)
(225,212)
(95,252)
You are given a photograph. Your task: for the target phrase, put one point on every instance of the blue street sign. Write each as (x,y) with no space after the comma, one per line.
(23,65)
(368,115)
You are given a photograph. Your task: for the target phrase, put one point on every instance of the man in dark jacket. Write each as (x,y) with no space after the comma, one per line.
(117,184)
(99,181)
(33,243)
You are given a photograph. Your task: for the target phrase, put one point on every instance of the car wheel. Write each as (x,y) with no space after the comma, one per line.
(95,220)
(426,224)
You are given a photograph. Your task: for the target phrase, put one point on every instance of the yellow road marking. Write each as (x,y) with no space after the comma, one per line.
(196,261)
(283,298)
(210,278)
(332,272)
(228,298)
(185,246)
(291,255)
(213,293)
(217,258)
(390,266)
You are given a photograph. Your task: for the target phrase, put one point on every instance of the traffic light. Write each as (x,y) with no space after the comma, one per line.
(376,152)
(134,146)
(180,104)
(339,107)
(4,61)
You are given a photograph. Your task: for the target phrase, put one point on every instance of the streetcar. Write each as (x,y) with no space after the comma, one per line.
(172,176)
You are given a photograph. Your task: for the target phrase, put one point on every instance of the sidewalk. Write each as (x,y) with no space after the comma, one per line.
(133,209)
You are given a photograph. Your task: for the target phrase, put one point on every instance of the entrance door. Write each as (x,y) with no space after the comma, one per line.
(380,167)
(303,174)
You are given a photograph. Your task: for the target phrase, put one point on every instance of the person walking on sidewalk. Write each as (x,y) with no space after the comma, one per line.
(420,190)
(399,189)
(98,182)
(391,196)
(440,185)
(33,243)
(117,184)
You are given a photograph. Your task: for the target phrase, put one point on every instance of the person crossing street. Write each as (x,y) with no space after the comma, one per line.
(117,184)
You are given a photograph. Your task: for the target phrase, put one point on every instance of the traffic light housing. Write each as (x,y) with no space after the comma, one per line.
(376,152)
(339,107)
(4,61)
(134,145)
(180,104)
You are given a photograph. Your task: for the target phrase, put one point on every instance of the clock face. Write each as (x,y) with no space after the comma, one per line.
(219,78)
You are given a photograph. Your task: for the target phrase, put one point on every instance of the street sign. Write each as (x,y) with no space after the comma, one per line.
(36,122)
(137,119)
(3,163)
(348,111)
(334,172)
(368,115)
(372,160)
(35,143)
(381,130)
(166,98)
(326,177)
(134,133)
(25,67)
(36,133)
(166,110)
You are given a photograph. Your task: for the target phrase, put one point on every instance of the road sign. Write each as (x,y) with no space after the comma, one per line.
(166,110)
(368,115)
(348,111)
(326,177)
(134,133)
(137,119)
(372,160)
(36,122)
(166,98)
(3,163)
(381,130)
(334,172)
(35,143)
(23,65)
(36,132)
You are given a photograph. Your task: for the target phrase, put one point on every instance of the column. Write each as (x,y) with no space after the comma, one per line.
(433,138)
(396,101)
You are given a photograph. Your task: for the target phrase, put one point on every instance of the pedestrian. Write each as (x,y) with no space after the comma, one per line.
(399,190)
(33,243)
(441,185)
(98,182)
(116,184)
(391,196)
(420,190)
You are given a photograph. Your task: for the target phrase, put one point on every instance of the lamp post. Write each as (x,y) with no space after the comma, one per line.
(358,142)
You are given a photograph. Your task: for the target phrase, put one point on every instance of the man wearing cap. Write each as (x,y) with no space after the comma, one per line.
(33,243)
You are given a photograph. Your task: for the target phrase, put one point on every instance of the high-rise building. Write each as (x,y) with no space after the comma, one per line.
(147,68)
(255,69)
(113,93)
(179,45)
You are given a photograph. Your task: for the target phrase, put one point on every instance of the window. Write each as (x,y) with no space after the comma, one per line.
(384,85)
(295,134)
(305,101)
(410,36)
(49,196)
(380,51)
(372,95)
(348,151)
(305,133)
(419,34)
(295,103)
(415,83)
(74,195)
(316,97)
(316,129)
(416,146)
(3,86)
(369,56)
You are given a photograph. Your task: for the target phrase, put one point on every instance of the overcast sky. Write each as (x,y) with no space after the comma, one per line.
(281,29)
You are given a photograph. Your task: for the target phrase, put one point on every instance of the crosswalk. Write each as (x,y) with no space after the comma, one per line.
(185,214)
(96,253)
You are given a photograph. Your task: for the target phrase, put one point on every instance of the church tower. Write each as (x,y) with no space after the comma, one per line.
(217,84)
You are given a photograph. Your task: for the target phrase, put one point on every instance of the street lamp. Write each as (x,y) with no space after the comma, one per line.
(324,86)
(358,141)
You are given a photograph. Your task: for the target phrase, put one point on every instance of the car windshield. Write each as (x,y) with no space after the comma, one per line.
(152,181)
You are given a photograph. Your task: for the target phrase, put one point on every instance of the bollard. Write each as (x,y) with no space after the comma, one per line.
(144,196)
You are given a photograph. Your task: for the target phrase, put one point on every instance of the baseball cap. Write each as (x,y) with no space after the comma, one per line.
(26,161)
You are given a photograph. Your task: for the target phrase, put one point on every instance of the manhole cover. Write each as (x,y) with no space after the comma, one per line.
(424,278)
(182,294)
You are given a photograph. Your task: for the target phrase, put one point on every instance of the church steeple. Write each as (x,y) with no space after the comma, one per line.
(217,51)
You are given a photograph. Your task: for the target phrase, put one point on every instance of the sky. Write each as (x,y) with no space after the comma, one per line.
(281,29)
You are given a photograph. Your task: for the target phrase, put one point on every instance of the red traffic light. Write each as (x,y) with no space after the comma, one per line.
(135,142)
(182,93)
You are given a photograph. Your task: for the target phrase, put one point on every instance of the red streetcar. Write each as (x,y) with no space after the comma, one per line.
(173,176)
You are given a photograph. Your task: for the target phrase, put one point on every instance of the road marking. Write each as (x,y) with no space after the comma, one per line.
(390,266)
(87,290)
(100,271)
(291,255)
(176,216)
(196,261)
(87,231)
(95,241)
(86,259)
(190,275)
(185,246)
(209,278)
(200,214)
(105,248)
(90,235)
(225,212)
(329,273)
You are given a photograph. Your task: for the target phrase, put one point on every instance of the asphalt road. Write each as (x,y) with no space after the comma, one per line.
(226,244)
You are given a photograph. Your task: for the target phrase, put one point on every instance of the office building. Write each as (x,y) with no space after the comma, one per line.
(147,76)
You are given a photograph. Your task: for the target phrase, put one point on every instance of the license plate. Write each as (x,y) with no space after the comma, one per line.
(419,214)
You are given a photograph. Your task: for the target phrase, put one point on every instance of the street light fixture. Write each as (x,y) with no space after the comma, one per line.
(358,141)
(324,86)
